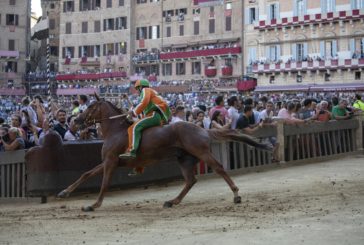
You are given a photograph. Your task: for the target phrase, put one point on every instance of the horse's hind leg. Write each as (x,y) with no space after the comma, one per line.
(209,159)
(187,163)
(95,171)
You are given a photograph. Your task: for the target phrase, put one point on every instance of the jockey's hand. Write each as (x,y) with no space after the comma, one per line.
(131,114)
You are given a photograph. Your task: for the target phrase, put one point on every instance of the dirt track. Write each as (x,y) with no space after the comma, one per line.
(320,203)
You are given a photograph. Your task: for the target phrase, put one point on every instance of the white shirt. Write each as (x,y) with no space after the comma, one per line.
(264,115)
(234,116)
(69,136)
(82,108)
(176,119)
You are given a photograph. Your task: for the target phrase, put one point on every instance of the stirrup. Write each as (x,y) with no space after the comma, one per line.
(127,155)
(133,173)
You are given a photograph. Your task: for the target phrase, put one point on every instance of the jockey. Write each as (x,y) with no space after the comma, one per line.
(154,111)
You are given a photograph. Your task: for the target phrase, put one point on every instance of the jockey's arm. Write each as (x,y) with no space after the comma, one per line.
(146,95)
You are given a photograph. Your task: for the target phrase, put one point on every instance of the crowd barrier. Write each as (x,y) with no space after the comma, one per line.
(48,169)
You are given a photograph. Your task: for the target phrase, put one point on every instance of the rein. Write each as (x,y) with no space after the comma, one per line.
(89,121)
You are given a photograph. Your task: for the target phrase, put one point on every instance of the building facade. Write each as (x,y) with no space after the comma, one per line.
(159,40)
(14,42)
(301,43)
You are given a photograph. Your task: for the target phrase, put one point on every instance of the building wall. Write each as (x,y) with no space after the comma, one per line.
(20,33)
(327,40)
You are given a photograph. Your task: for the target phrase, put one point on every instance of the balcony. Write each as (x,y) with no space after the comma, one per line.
(201,53)
(227,70)
(90,76)
(70,61)
(335,64)
(210,71)
(7,54)
(246,85)
(85,61)
(314,19)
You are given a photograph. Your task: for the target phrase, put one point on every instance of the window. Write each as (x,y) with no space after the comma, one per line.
(68,28)
(273,11)
(357,75)
(357,4)
(68,6)
(108,49)
(109,4)
(196,27)
(212,26)
(53,50)
(85,5)
(252,52)
(356,47)
(141,1)
(196,11)
(300,7)
(68,52)
(12,45)
(120,23)
(123,48)
(52,24)
(228,62)
(141,33)
(108,24)
(168,31)
(84,27)
(12,2)
(196,68)
(228,6)
(273,53)
(251,16)
(299,51)
(121,3)
(12,20)
(328,6)
(167,69)
(271,79)
(327,77)
(52,6)
(97,26)
(228,23)
(299,78)
(153,32)
(11,66)
(328,49)
(181,30)
(180,69)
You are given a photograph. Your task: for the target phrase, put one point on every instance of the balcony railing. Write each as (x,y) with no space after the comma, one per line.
(7,54)
(227,70)
(201,53)
(86,61)
(90,76)
(315,19)
(309,66)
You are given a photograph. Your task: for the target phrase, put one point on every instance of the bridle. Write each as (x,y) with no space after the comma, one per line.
(89,121)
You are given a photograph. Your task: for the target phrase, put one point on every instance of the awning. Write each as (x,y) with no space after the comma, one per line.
(337,87)
(9,54)
(10,91)
(246,85)
(298,87)
(72,91)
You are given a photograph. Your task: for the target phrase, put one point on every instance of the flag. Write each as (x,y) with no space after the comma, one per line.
(41,30)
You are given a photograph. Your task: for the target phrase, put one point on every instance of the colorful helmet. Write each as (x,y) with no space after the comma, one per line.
(141,83)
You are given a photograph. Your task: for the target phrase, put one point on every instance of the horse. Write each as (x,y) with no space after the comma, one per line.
(183,140)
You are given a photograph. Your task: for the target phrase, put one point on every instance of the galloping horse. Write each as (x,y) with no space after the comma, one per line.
(186,141)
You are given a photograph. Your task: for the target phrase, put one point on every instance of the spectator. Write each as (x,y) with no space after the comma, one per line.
(44,131)
(358,104)
(267,114)
(31,131)
(287,114)
(245,119)
(4,136)
(16,142)
(233,110)
(179,115)
(200,115)
(306,111)
(323,114)
(219,106)
(61,127)
(16,121)
(75,107)
(217,121)
(72,132)
(38,107)
(32,114)
(254,114)
(339,112)
(83,102)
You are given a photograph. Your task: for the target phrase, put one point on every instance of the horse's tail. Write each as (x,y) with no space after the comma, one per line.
(234,135)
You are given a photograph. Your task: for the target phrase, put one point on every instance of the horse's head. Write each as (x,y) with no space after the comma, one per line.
(91,115)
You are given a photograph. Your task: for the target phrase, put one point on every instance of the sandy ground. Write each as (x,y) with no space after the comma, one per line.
(319,203)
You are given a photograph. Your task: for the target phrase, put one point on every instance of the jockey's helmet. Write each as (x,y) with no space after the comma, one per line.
(141,83)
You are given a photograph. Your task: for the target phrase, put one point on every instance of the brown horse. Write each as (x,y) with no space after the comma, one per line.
(185,141)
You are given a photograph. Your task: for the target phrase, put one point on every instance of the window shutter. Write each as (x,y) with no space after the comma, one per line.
(304,6)
(269,12)
(150,32)
(105,25)
(267,52)
(322,49)
(64,7)
(305,50)
(63,52)
(294,51)
(323,6)
(333,5)
(278,52)
(352,46)
(137,33)
(79,52)
(256,15)
(117,48)
(294,7)
(277,11)
(334,48)
(247,16)
(104,49)
(158,31)
(117,27)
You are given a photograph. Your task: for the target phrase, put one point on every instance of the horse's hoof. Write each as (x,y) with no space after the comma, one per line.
(237,199)
(168,204)
(88,209)
(63,194)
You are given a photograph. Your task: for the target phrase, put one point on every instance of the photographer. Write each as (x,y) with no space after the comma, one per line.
(13,141)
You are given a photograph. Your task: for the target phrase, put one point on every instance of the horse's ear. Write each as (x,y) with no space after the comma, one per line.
(97,97)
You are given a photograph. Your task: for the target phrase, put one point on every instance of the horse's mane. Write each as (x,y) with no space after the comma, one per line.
(115,108)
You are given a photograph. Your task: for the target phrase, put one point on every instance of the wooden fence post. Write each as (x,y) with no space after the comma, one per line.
(280,140)
(359,133)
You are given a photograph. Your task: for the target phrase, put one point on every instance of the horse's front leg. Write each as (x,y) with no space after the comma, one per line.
(95,171)
(109,167)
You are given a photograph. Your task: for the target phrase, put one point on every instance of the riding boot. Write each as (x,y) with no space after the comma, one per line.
(136,171)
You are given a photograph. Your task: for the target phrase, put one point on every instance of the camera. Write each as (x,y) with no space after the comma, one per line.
(5,138)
